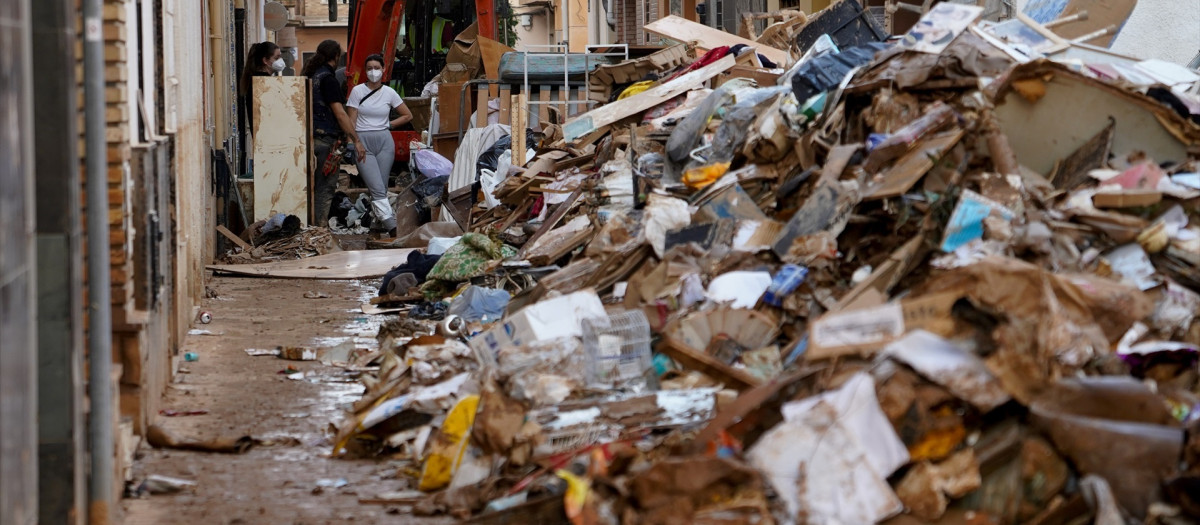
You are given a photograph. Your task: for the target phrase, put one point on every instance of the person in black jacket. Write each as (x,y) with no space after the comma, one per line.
(331,124)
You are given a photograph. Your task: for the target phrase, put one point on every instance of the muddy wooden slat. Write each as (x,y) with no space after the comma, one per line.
(543,108)
(599,119)
(682,30)
(481,117)
(505,106)
(520,113)
(562,94)
(234,238)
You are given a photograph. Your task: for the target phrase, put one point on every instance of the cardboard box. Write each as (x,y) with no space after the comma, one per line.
(549,319)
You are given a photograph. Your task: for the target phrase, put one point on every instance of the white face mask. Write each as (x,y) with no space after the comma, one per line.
(374,74)
(278,65)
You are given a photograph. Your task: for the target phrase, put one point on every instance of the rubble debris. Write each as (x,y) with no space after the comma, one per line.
(950,277)
(158,437)
(159,484)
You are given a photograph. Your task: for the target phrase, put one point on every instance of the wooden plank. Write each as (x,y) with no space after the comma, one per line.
(490,52)
(350,264)
(449,101)
(520,110)
(552,221)
(280,156)
(506,106)
(905,173)
(708,365)
(481,98)
(563,97)
(602,117)
(221,229)
(543,108)
(706,38)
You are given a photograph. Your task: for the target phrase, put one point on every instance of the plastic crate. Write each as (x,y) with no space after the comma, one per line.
(618,351)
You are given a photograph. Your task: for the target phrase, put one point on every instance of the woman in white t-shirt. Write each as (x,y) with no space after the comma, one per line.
(369,106)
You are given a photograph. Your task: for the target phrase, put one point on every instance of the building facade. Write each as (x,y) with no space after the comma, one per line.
(170,123)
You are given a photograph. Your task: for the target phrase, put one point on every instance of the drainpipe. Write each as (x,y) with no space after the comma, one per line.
(611,15)
(100,416)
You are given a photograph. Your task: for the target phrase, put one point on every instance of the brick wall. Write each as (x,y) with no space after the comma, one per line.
(632,16)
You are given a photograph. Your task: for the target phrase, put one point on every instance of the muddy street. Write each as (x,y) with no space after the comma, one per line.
(246,395)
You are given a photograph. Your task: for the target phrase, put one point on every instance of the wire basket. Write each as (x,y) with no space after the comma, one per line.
(575,438)
(618,351)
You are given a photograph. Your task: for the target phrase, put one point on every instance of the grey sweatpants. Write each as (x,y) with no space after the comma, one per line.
(377,166)
(375,169)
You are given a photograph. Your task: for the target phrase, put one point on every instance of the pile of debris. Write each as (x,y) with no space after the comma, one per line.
(932,280)
(278,238)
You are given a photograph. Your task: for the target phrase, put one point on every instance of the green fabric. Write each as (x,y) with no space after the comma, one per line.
(439,26)
(469,258)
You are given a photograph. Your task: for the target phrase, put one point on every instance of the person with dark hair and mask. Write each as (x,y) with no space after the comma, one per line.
(263,60)
(371,104)
(331,125)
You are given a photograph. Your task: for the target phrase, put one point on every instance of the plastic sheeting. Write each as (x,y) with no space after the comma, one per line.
(479,304)
(431,164)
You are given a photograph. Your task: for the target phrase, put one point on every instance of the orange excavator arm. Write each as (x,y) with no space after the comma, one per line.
(485,14)
(375,25)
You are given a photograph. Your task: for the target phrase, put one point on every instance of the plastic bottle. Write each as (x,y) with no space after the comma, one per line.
(784,283)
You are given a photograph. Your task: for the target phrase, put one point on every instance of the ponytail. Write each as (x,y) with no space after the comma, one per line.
(254,58)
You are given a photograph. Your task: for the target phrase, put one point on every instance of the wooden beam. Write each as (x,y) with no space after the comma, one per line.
(506,106)
(234,238)
(520,106)
(544,109)
(604,116)
(481,105)
(552,220)
(708,365)
(706,38)
(562,95)
(582,97)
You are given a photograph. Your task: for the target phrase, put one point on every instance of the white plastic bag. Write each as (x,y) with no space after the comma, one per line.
(490,180)
(431,164)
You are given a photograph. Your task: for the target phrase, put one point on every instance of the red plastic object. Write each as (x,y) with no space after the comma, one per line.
(402,138)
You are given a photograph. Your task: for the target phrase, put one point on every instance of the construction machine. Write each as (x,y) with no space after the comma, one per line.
(376,26)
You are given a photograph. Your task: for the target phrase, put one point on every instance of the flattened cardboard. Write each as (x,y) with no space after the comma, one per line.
(814,216)
(907,171)
(865,331)
(1126,198)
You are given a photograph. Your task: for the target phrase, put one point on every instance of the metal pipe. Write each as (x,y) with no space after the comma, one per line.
(611,16)
(100,415)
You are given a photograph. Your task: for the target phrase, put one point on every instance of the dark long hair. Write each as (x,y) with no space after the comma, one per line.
(254,58)
(327,52)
